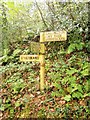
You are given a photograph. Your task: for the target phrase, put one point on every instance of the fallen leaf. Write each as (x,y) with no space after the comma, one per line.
(82,102)
(52,110)
(57,99)
(31,95)
(62,102)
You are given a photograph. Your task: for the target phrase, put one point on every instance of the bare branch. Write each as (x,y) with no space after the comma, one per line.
(41,14)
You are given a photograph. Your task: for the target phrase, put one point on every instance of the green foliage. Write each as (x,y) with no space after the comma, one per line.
(75,46)
(71,79)
(8,58)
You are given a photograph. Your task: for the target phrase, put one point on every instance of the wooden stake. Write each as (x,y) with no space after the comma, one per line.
(42,62)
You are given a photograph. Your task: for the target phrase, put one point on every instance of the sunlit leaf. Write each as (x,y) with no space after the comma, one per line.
(71,48)
(67,97)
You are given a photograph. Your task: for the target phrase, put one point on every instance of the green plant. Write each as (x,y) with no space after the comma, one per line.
(69,80)
(17,86)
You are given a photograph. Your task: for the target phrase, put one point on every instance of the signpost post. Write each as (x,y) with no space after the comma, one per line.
(42,62)
(44,37)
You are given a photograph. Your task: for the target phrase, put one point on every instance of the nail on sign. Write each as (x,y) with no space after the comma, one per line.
(55,36)
(27,58)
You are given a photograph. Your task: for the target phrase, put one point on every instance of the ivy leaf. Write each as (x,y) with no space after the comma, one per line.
(67,98)
(17,104)
(0,101)
(79,87)
(2,108)
(11,110)
(86,86)
(71,48)
(85,95)
(53,94)
(57,94)
(7,105)
(88,46)
(85,72)
(80,46)
(72,71)
(71,89)
(77,95)
(16,52)
(85,65)
(58,86)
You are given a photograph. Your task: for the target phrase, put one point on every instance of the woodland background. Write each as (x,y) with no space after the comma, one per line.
(67,80)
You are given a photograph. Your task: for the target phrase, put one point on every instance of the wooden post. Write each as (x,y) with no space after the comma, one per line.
(42,62)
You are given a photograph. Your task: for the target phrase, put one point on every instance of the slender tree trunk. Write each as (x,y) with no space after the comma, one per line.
(4,29)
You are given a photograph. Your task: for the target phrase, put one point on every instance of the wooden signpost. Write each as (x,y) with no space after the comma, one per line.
(44,37)
(35,47)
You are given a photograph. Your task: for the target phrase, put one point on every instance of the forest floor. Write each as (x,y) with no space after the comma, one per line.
(21,98)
